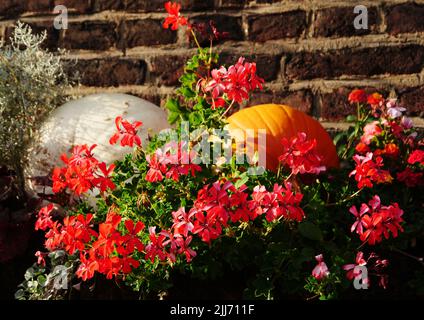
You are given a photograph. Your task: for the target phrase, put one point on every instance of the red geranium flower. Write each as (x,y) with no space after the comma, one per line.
(368,171)
(375,221)
(390,150)
(358,225)
(155,248)
(127,134)
(362,148)
(103,182)
(171,161)
(370,131)
(40,255)
(300,155)
(375,99)
(410,178)
(183,222)
(155,171)
(236,82)
(87,268)
(183,247)
(174,18)
(352,271)
(416,156)
(321,270)
(357,96)
(44,220)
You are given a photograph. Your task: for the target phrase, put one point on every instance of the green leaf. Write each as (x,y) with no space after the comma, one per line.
(172,105)
(243,179)
(41,280)
(351,118)
(173,117)
(56,254)
(19,295)
(338,137)
(187,92)
(310,231)
(195,118)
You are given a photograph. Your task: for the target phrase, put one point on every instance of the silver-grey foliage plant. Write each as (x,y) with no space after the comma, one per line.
(32,83)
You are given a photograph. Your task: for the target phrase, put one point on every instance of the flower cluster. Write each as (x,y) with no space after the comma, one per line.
(166,245)
(235,82)
(417,156)
(222,202)
(107,251)
(127,132)
(368,171)
(386,136)
(355,271)
(413,175)
(300,155)
(282,202)
(171,161)
(373,264)
(82,172)
(373,221)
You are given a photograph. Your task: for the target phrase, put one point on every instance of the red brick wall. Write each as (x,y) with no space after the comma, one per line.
(308,51)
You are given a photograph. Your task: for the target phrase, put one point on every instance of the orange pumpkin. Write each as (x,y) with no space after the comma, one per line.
(282,121)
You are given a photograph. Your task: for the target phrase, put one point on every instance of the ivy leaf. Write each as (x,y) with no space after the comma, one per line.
(172,105)
(41,280)
(310,231)
(187,92)
(20,294)
(173,117)
(195,118)
(243,179)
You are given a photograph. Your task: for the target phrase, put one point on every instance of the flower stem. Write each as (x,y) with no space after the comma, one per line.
(406,254)
(344,200)
(195,39)
(228,109)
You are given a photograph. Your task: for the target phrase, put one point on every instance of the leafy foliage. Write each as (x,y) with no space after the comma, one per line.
(32,84)
(285,234)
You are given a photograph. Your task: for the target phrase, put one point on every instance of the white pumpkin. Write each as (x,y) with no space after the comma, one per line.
(89,120)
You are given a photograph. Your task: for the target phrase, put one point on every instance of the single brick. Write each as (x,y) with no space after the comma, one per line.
(101,5)
(231,4)
(339,22)
(111,72)
(276,26)
(90,35)
(224,23)
(38,6)
(11,8)
(146,32)
(301,100)
(403,18)
(405,59)
(413,100)
(159,5)
(77,6)
(168,69)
